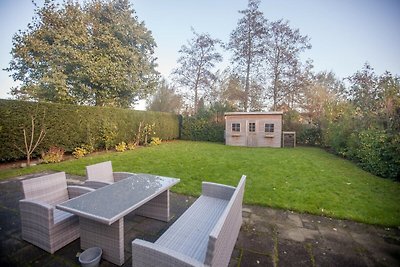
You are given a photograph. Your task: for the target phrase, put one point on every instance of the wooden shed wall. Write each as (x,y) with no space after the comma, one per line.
(259,138)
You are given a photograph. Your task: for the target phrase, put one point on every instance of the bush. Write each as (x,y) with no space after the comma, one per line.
(53,155)
(121,147)
(202,129)
(88,148)
(308,135)
(79,152)
(378,153)
(69,126)
(131,146)
(155,141)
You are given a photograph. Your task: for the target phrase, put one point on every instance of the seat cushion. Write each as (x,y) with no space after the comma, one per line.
(189,234)
(62,216)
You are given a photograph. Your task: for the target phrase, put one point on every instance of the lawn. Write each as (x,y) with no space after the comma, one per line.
(302,179)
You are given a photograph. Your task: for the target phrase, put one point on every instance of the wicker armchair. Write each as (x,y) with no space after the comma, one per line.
(101,174)
(42,224)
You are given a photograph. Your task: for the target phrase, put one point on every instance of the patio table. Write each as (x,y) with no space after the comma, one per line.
(101,212)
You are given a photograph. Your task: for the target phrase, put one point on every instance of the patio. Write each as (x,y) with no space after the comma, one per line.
(268,237)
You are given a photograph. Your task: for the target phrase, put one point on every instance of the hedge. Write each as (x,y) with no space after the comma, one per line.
(70,126)
(202,129)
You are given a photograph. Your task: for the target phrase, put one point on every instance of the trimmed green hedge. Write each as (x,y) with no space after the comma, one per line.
(69,126)
(202,129)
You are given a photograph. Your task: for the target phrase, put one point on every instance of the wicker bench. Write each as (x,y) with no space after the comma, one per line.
(204,235)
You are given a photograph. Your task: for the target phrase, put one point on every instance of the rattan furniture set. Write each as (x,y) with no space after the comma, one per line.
(54,214)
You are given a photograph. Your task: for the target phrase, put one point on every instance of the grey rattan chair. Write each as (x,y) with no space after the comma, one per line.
(42,224)
(101,174)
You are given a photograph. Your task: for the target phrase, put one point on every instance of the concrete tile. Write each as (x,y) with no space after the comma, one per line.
(10,246)
(252,240)
(335,234)
(53,261)
(311,225)
(70,251)
(251,259)
(309,234)
(383,249)
(295,219)
(235,257)
(333,259)
(150,226)
(294,234)
(29,254)
(291,253)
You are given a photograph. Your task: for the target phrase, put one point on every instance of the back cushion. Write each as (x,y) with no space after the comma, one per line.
(51,188)
(100,172)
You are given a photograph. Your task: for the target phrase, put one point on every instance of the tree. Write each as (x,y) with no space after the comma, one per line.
(226,90)
(376,97)
(247,42)
(31,138)
(96,54)
(390,105)
(196,62)
(283,58)
(364,90)
(165,99)
(324,90)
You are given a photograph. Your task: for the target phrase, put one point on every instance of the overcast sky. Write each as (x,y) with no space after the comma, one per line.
(344,33)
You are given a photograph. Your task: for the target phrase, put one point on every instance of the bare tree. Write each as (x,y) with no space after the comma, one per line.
(247,42)
(227,90)
(196,62)
(283,58)
(30,144)
(165,99)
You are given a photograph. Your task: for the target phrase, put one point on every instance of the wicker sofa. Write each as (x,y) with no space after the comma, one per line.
(204,235)
(101,174)
(42,224)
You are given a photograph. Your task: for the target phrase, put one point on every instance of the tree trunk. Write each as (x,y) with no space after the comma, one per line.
(196,96)
(247,85)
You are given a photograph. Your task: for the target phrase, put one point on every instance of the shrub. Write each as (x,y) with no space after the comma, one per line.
(88,148)
(79,152)
(82,151)
(155,141)
(53,155)
(308,135)
(148,131)
(121,147)
(131,146)
(202,129)
(108,134)
(378,153)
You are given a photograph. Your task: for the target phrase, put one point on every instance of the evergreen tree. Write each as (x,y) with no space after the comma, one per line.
(97,54)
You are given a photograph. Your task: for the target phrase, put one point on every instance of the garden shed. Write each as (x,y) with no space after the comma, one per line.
(255,129)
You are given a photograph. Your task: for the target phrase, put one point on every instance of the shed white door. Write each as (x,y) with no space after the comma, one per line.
(251,133)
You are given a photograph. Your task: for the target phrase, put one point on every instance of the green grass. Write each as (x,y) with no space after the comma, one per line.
(302,179)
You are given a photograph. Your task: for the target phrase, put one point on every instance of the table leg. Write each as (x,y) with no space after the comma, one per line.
(157,208)
(110,238)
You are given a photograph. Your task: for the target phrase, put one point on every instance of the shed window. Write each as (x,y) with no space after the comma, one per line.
(252,126)
(269,127)
(235,127)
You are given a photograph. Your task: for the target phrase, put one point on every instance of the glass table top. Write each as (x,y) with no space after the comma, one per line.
(109,203)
